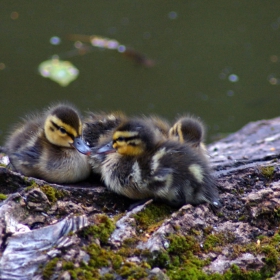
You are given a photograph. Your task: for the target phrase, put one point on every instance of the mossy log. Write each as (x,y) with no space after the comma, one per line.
(83,231)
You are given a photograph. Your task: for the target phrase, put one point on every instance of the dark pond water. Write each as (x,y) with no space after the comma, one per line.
(215,59)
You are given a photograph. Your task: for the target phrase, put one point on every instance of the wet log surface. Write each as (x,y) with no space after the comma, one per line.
(83,231)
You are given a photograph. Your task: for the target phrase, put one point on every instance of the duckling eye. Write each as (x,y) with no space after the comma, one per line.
(62,130)
(120,139)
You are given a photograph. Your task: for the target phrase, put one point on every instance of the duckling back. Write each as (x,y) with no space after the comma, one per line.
(42,146)
(180,176)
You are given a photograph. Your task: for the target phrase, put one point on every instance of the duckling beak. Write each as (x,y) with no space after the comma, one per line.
(106,149)
(81,146)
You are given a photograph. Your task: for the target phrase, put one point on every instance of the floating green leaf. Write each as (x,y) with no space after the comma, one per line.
(62,72)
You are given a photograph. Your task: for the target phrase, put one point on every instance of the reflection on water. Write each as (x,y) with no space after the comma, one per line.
(64,72)
(216,60)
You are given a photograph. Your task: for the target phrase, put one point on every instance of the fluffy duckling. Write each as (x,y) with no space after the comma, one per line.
(99,127)
(189,130)
(45,146)
(161,126)
(143,167)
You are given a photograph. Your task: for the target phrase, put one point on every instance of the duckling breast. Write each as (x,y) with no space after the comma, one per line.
(64,166)
(123,175)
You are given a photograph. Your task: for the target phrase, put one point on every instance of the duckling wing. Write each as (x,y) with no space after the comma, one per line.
(163,187)
(162,174)
(27,156)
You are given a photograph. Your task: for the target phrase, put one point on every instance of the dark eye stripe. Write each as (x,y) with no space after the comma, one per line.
(126,139)
(58,128)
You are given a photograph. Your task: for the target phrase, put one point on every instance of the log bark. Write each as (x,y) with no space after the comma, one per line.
(42,222)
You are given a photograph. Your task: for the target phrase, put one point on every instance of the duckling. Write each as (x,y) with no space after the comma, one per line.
(189,130)
(98,127)
(45,146)
(144,167)
(161,126)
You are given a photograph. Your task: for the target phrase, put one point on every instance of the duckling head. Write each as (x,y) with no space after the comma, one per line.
(132,138)
(187,130)
(63,128)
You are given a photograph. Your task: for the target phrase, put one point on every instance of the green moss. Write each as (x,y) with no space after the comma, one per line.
(187,272)
(212,241)
(108,276)
(130,242)
(180,260)
(180,253)
(271,260)
(49,269)
(236,273)
(106,258)
(152,216)
(80,273)
(102,228)
(161,259)
(132,271)
(267,171)
(242,218)
(180,244)
(32,185)
(3,196)
(98,256)
(52,193)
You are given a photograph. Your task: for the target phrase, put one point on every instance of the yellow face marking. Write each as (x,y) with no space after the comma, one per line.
(180,133)
(176,132)
(129,150)
(126,146)
(80,128)
(124,134)
(67,127)
(57,136)
(197,172)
